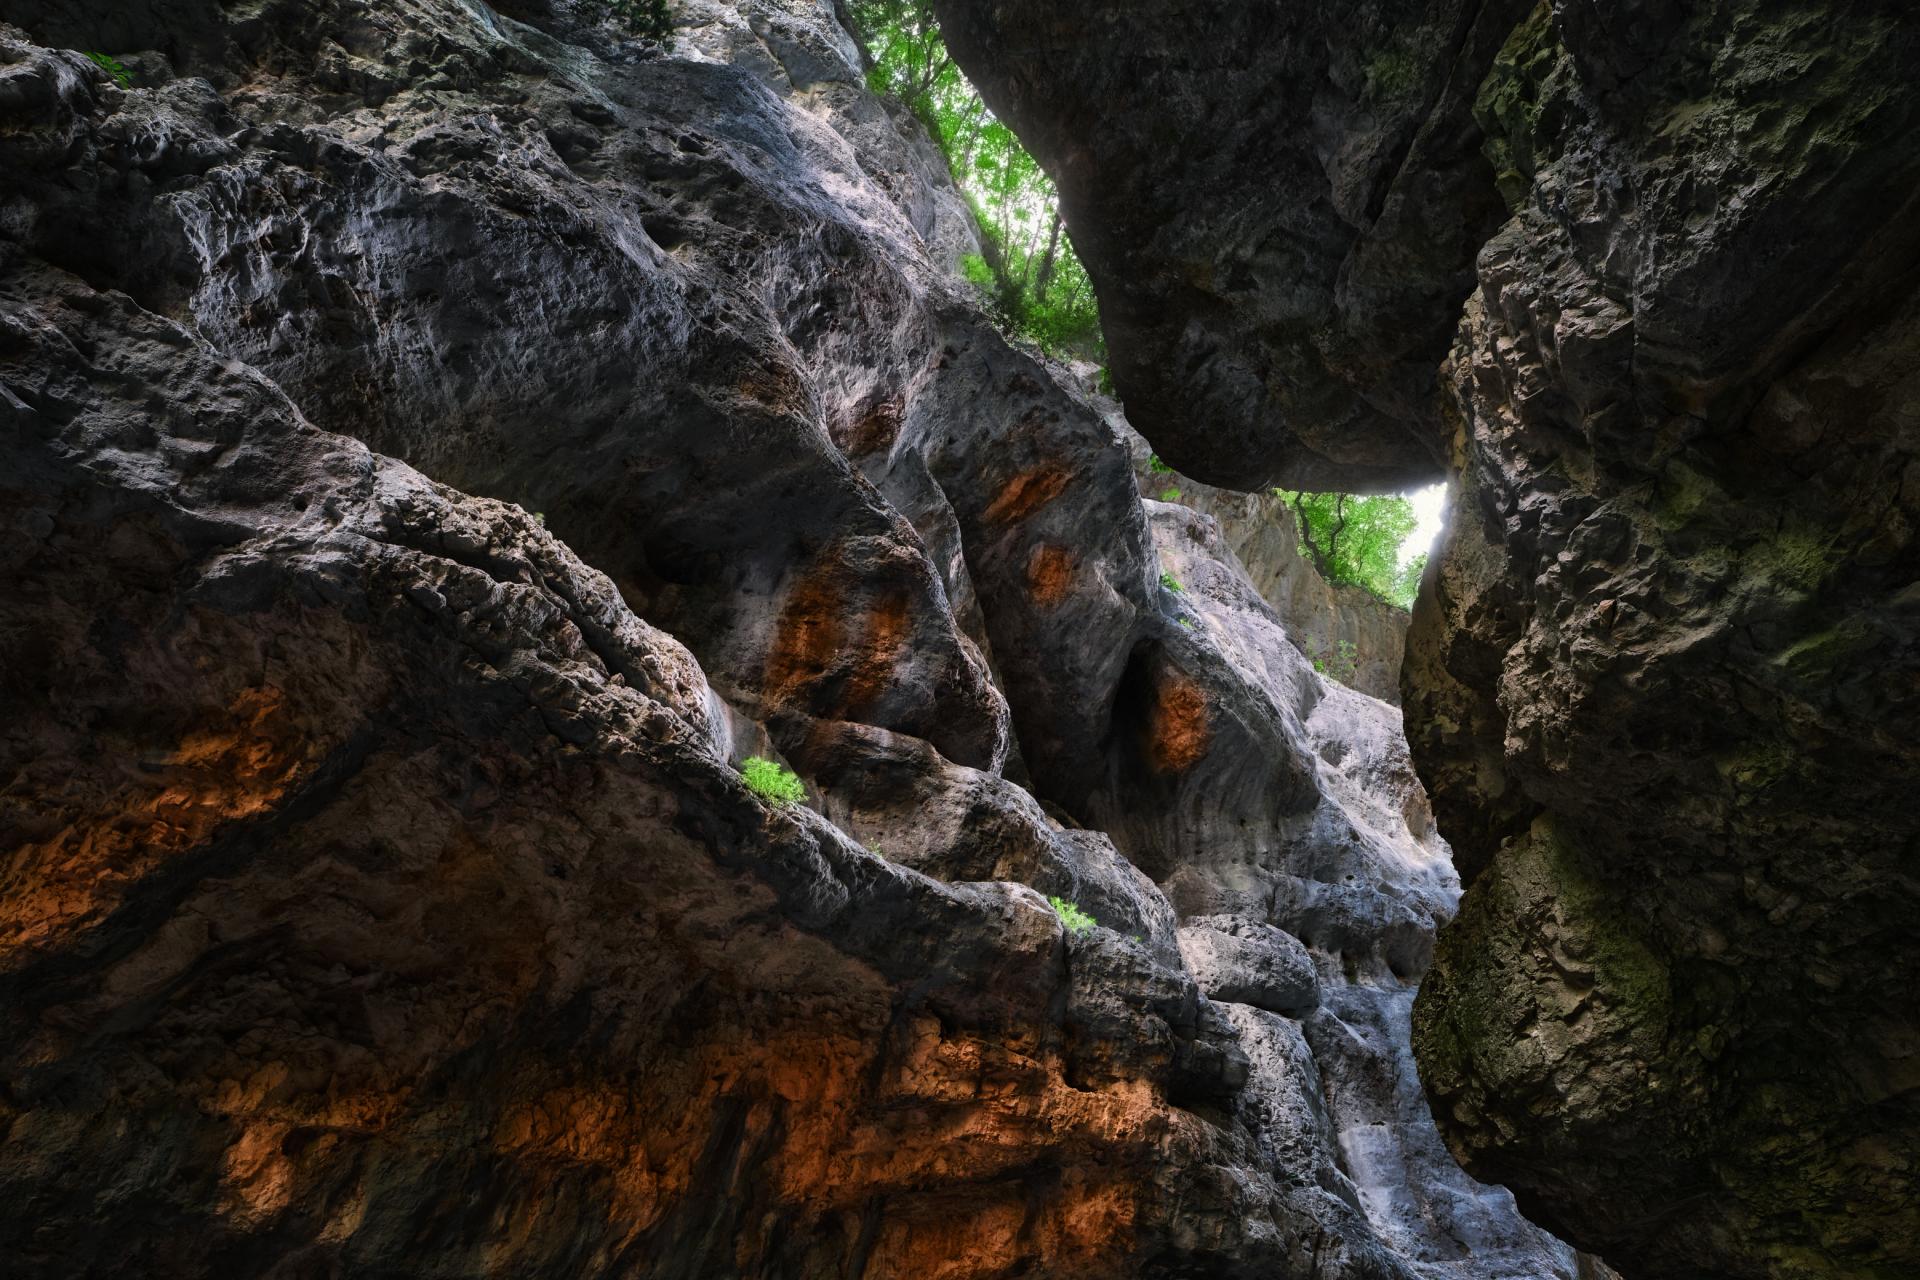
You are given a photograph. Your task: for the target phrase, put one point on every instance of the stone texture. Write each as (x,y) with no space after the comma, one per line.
(387,901)
(1355,886)
(381,895)
(1357,637)
(1244,961)
(1668,705)
(1661,681)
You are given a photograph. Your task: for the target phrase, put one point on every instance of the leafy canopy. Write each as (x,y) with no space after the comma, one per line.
(1357,540)
(1028,268)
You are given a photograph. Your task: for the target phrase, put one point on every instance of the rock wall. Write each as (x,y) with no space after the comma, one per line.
(440,443)
(1346,631)
(1662,678)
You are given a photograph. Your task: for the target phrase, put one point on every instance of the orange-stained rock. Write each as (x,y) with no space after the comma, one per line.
(1050,573)
(1178,729)
(1027,492)
(809,636)
(235,764)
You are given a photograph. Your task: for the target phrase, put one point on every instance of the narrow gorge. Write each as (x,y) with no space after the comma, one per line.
(584,698)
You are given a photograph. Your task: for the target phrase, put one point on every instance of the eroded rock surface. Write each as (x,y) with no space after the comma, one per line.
(1351,634)
(1670,704)
(1662,681)
(381,896)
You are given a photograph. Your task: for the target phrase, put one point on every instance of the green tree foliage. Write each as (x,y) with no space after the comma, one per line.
(1357,540)
(1028,269)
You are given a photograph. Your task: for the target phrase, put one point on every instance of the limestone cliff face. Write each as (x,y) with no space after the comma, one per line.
(440,442)
(1662,679)
(1346,631)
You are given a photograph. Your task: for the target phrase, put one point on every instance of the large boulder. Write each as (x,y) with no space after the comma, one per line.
(1244,961)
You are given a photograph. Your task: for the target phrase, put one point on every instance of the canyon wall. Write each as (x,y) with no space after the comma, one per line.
(1346,631)
(1643,276)
(441,443)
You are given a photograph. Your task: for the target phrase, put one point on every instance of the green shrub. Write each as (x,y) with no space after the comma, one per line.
(1169,495)
(1185,622)
(1076,920)
(1156,467)
(112,67)
(1170,582)
(773,781)
(1033,280)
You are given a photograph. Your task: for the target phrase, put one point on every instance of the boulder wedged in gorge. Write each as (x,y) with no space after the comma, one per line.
(1661,682)
(440,443)
(1279,206)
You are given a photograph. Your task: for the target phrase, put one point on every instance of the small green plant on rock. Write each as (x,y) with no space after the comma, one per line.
(1156,467)
(1169,495)
(1075,920)
(112,67)
(772,781)
(1170,582)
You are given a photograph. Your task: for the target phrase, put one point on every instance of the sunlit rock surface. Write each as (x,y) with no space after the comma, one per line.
(1662,680)
(1352,634)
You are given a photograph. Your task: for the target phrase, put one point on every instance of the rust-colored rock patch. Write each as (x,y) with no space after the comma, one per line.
(1027,492)
(1178,729)
(236,766)
(808,636)
(1049,574)
(884,635)
(874,430)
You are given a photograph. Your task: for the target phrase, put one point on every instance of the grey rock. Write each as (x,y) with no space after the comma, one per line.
(1246,962)
(1354,636)
(386,899)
